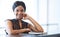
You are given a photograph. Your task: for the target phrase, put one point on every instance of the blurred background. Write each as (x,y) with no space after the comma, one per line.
(45,12)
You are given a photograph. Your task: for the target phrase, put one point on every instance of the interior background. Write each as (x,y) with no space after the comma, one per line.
(45,12)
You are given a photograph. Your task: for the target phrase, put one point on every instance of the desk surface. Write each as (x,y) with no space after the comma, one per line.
(31,35)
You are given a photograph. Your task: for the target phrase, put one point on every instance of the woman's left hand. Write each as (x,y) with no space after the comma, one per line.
(26,16)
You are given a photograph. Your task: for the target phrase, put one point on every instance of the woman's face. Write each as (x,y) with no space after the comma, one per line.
(19,12)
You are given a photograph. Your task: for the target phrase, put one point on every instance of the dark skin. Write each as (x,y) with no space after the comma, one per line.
(20,14)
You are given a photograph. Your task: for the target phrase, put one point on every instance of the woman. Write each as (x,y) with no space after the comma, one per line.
(17,26)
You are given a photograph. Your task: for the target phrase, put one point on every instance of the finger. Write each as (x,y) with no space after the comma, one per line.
(24,15)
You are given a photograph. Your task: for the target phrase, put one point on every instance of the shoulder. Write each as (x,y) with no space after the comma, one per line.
(9,21)
(8,24)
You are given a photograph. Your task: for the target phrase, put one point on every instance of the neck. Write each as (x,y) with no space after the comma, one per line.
(19,19)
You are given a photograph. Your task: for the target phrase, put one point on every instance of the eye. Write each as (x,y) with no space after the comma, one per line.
(17,10)
(22,10)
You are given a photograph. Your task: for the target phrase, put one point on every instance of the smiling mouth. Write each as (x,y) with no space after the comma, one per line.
(20,16)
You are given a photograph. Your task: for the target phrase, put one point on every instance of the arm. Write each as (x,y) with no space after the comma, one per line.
(32,28)
(36,27)
(11,31)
